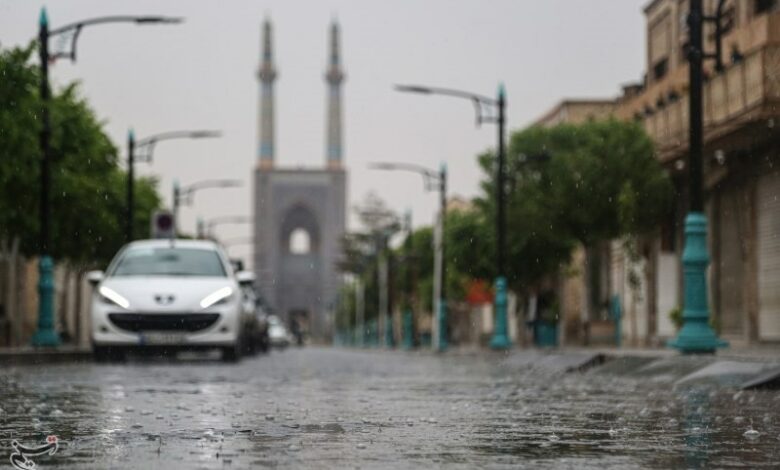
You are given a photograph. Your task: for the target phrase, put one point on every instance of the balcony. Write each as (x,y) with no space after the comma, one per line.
(745,92)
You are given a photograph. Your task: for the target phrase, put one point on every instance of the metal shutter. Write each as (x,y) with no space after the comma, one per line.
(731,267)
(769,256)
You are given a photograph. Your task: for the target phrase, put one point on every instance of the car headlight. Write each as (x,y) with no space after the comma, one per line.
(110,296)
(220,296)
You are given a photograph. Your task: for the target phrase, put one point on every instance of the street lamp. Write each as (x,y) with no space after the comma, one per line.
(407,322)
(184,195)
(147,145)
(433,180)
(382,224)
(492,111)
(228,219)
(696,335)
(236,241)
(46,334)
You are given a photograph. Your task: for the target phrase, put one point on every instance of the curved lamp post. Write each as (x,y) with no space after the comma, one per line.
(433,180)
(227,219)
(407,322)
(46,335)
(488,110)
(184,195)
(146,146)
(696,335)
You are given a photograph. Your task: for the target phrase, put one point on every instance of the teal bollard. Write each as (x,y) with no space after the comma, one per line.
(500,338)
(442,319)
(389,343)
(696,335)
(408,332)
(46,334)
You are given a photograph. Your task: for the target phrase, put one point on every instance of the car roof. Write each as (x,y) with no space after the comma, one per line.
(178,243)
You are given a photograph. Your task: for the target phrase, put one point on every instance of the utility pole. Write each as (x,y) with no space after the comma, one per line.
(408,315)
(130,186)
(696,335)
(500,338)
(45,334)
(383,298)
(146,148)
(185,194)
(443,307)
(433,180)
(493,111)
(360,312)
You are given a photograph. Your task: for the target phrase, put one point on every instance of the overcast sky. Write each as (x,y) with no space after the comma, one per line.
(202,74)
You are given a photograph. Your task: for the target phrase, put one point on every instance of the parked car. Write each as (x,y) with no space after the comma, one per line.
(278,335)
(252,327)
(168,294)
(262,340)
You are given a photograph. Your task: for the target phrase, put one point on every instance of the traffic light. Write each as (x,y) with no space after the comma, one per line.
(162,225)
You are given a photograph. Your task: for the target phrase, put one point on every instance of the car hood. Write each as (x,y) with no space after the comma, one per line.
(167,293)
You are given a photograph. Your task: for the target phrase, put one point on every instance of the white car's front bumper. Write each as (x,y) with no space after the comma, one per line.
(213,328)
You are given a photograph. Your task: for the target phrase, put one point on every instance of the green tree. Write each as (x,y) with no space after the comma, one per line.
(361,250)
(468,250)
(88,187)
(574,183)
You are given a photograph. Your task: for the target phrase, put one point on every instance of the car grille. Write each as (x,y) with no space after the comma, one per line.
(138,322)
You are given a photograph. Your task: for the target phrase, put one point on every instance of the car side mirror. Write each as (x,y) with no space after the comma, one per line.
(94,277)
(245,278)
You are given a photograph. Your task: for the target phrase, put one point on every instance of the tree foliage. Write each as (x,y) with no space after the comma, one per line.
(88,187)
(360,251)
(565,185)
(574,183)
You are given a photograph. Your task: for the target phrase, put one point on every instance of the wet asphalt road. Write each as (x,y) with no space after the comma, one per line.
(335,408)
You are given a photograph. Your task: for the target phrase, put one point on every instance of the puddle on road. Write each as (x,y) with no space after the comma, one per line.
(332,408)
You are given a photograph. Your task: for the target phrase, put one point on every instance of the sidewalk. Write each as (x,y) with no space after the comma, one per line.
(767,353)
(29,355)
(748,367)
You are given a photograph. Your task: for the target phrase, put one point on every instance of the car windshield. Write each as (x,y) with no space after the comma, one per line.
(169,262)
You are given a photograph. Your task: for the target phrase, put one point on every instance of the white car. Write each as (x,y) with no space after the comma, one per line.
(172,294)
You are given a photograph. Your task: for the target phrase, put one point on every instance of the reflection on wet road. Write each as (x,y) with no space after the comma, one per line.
(330,408)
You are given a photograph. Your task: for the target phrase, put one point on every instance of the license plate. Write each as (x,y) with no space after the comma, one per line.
(161,338)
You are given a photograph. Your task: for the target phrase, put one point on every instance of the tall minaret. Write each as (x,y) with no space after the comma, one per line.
(334,76)
(267,75)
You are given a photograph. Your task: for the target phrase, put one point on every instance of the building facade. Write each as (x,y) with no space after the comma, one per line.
(741,170)
(300,214)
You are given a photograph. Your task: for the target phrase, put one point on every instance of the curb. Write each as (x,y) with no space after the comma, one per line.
(43,356)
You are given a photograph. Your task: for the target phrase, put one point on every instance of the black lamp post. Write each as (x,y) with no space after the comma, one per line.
(147,145)
(696,335)
(492,111)
(184,195)
(433,180)
(228,219)
(45,334)
(407,322)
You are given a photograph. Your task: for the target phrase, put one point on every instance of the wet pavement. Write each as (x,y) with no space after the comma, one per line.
(337,408)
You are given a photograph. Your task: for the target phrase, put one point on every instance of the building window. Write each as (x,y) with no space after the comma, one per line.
(763,6)
(300,242)
(660,68)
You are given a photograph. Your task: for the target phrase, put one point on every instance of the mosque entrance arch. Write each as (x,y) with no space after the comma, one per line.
(301,266)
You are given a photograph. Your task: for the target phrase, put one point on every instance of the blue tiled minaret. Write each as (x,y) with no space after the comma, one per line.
(334,77)
(267,75)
